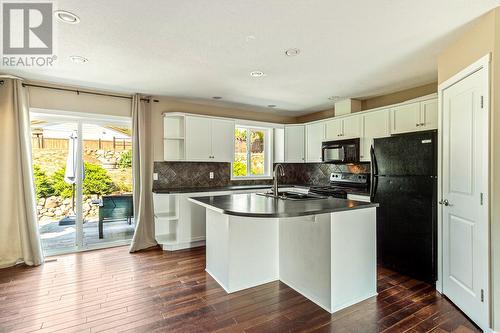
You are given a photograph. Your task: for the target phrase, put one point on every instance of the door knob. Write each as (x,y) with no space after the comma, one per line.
(444,202)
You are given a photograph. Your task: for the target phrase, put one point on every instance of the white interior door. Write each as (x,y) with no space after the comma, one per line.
(464,189)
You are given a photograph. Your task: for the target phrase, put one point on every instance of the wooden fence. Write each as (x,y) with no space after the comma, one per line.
(39,142)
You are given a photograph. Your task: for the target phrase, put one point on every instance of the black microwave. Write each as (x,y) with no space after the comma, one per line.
(340,151)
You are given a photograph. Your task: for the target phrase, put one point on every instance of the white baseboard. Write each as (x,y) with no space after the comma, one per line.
(226,289)
(182,246)
(241,287)
(306,295)
(355,301)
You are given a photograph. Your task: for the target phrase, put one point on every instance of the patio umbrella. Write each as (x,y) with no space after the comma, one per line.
(70,173)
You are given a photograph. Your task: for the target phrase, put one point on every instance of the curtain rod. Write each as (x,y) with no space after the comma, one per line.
(78,92)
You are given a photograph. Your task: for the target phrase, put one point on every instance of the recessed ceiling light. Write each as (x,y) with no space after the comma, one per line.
(292,52)
(271,106)
(79,59)
(335,98)
(66,17)
(256,73)
(217,97)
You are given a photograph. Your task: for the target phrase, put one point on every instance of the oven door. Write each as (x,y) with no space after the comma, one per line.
(333,154)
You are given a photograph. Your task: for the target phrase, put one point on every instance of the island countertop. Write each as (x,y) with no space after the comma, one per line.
(254,205)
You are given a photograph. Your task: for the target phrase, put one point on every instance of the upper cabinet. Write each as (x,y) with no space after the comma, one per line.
(209,139)
(343,128)
(279,145)
(333,129)
(295,144)
(405,118)
(222,140)
(429,114)
(375,125)
(414,117)
(315,135)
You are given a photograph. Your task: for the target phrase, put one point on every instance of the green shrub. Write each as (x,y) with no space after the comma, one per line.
(239,169)
(125,160)
(43,184)
(124,187)
(97,181)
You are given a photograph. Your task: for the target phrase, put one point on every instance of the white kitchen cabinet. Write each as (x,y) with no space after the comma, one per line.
(198,139)
(351,127)
(209,139)
(315,135)
(333,129)
(279,145)
(375,125)
(420,116)
(405,118)
(344,128)
(429,115)
(222,140)
(180,224)
(295,144)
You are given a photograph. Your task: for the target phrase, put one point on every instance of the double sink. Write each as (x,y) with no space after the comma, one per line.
(287,195)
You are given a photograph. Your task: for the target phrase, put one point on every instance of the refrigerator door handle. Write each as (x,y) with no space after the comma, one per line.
(373,188)
(374,161)
(374,174)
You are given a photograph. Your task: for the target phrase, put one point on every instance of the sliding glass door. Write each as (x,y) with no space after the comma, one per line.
(83,176)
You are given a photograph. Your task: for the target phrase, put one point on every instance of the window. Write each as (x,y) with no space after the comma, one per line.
(251,152)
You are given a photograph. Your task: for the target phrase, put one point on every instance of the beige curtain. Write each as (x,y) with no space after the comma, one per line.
(142,164)
(19,237)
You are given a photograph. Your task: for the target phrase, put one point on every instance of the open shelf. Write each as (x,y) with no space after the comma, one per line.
(173,137)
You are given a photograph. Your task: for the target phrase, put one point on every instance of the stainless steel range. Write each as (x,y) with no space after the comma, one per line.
(343,183)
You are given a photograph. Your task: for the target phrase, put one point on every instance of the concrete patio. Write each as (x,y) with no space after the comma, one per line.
(55,237)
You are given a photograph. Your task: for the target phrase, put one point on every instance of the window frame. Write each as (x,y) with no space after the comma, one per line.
(268,153)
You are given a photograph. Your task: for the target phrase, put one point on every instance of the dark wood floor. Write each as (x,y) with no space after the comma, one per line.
(156,291)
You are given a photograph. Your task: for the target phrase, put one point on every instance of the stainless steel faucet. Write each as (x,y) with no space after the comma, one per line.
(279,171)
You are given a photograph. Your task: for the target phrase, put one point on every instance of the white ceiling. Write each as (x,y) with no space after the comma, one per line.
(197,49)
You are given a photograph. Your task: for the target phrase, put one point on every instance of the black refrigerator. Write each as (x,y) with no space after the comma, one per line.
(404,184)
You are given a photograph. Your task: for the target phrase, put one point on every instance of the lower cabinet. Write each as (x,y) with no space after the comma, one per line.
(179,223)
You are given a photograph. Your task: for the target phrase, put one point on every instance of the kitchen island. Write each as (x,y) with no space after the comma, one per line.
(323,248)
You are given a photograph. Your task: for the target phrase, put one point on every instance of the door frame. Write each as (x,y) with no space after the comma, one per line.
(80,118)
(482,63)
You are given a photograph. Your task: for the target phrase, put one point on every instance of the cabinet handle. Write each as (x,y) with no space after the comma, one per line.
(422,124)
(417,124)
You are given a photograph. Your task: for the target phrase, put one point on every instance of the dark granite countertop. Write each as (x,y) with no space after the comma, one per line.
(174,190)
(254,205)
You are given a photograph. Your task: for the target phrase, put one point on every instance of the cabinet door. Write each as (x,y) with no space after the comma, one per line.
(375,125)
(279,145)
(294,144)
(222,140)
(198,139)
(405,118)
(429,115)
(351,127)
(315,135)
(333,129)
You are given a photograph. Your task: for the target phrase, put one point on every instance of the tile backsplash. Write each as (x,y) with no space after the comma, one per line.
(196,174)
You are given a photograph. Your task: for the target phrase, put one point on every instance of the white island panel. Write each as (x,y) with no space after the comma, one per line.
(354,257)
(241,252)
(305,256)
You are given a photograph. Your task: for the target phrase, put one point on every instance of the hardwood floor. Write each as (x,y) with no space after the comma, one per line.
(154,291)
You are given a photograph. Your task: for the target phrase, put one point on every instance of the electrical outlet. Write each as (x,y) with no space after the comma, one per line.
(211,175)
(155,176)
